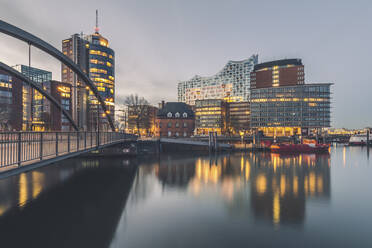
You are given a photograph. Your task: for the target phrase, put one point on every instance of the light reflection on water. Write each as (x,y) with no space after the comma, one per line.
(237,200)
(259,199)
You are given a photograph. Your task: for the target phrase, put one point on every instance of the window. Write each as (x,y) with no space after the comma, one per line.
(185,124)
(177,134)
(169,115)
(184,134)
(177,115)
(177,124)
(184,115)
(169,124)
(169,133)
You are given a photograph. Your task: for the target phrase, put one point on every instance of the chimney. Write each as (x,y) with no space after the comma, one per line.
(161,104)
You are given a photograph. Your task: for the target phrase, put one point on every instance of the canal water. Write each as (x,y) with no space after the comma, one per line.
(189,200)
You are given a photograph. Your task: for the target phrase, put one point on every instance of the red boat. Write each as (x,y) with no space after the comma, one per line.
(306,147)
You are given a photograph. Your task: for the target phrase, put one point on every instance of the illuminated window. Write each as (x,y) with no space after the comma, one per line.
(169,115)
(177,115)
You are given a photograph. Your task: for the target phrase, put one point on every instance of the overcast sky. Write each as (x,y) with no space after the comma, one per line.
(160,42)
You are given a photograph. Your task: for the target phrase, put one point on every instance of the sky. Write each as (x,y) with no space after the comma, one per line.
(159,43)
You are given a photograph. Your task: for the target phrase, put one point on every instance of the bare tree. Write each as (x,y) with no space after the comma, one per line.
(137,110)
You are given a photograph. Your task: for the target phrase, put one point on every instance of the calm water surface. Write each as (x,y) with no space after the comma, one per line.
(238,200)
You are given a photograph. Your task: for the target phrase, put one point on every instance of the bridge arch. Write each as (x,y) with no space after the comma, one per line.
(31,39)
(35,86)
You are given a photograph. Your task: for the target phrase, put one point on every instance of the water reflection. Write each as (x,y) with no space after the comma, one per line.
(270,186)
(76,204)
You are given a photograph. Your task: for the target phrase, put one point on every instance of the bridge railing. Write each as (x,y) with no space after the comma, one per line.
(19,148)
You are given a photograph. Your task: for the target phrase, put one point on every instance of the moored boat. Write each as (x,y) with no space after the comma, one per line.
(358,140)
(305,147)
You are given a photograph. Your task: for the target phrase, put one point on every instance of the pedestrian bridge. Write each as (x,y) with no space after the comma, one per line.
(24,151)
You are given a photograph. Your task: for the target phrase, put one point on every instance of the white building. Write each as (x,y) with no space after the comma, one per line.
(231,83)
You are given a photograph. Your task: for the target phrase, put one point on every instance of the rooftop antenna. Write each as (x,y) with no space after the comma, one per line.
(96,29)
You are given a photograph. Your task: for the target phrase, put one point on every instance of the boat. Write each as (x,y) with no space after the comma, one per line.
(307,146)
(358,140)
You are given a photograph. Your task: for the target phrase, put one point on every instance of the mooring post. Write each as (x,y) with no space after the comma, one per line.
(368,137)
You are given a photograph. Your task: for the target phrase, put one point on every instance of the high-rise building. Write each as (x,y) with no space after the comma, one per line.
(77,49)
(93,55)
(232,82)
(34,103)
(276,73)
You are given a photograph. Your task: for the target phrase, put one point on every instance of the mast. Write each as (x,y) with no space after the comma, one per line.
(96,29)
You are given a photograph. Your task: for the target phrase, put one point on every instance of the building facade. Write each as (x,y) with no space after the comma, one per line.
(62,93)
(33,110)
(10,103)
(277,73)
(93,55)
(289,110)
(238,118)
(77,49)
(174,119)
(233,82)
(210,116)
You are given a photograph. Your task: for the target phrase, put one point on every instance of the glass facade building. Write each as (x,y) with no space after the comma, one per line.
(288,109)
(93,55)
(33,102)
(210,116)
(101,72)
(232,82)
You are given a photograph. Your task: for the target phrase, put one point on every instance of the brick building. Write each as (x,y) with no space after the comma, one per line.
(174,119)
(285,72)
(62,93)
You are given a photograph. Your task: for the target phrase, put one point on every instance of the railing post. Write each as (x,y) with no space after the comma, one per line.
(85,140)
(41,145)
(68,142)
(56,144)
(97,139)
(91,139)
(19,148)
(77,140)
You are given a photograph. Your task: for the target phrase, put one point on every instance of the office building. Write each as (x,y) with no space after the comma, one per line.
(232,82)
(10,103)
(238,118)
(93,55)
(32,101)
(277,73)
(290,110)
(174,119)
(210,116)
(62,93)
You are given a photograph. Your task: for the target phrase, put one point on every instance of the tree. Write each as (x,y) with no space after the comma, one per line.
(137,110)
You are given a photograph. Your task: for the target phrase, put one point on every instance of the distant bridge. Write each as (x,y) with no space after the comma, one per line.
(24,151)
